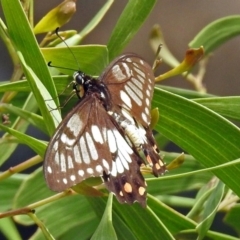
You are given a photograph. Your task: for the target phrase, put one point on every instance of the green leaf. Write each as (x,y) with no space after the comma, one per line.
(131,19)
(105,229)
(19,125)
(41,94)
(210,210)
(72,213)
(191,234)
(226,106)
(185,92)
(97,18)
(18,26)
(217,33)
(30,117)
(233,217)
(137,219)
(91,59)
(9,229)
(175,180)
(121,228)
(200,132)
(8,188)
(173,221)
(20,86)
(38,146)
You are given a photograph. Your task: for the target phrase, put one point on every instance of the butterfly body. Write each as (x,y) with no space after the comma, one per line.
(103,134)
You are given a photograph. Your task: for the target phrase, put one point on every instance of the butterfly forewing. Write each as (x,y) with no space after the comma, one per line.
(130,81)
(89,144)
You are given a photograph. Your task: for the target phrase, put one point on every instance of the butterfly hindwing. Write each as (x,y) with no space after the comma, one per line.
(131,82)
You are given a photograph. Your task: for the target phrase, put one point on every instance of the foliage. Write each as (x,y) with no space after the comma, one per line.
(197,122)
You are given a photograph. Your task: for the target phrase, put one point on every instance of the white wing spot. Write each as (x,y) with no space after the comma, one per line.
(135,89)
(111,141)
(65,181)
(119,165)
(75,124)
(49,169)
(62,163)
(122,144)
(124,159)
(147,101)
(117,72)
(147,111)
(144,117)
(104,133)
(148,92)
(139,72)
(105,164)
(66,140)
(55,145)
(99,169)
(91,147)
(125,98)
(133,95)
(137,83)
(76,153)
(114,169)
(70,162)
(80,173)
(63,138)
(140,78)
(96,134)
(90,170)
(150,87)
(141,61)
(85,155)
(127,69)
(56,158)
(128,60)
(73,178)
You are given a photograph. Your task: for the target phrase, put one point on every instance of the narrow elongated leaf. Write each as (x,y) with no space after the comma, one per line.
(210,210)
(217,33)
(38,146)
(19,125)
(8,188)
(208,137)
(20,86)
(233,217)
(105,229)
(18,26)
(131,19)
(138,219)
(41,94)
(122,229)
(32,118)
(97,18)
(226,106)
(9,229)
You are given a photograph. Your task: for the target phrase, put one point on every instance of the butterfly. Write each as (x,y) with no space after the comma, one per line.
(106,132)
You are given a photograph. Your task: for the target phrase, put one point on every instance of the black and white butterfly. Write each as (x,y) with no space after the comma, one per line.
(105,132)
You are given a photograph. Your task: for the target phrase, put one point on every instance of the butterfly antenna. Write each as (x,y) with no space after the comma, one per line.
(50,65)
(157,60)
(56,31)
